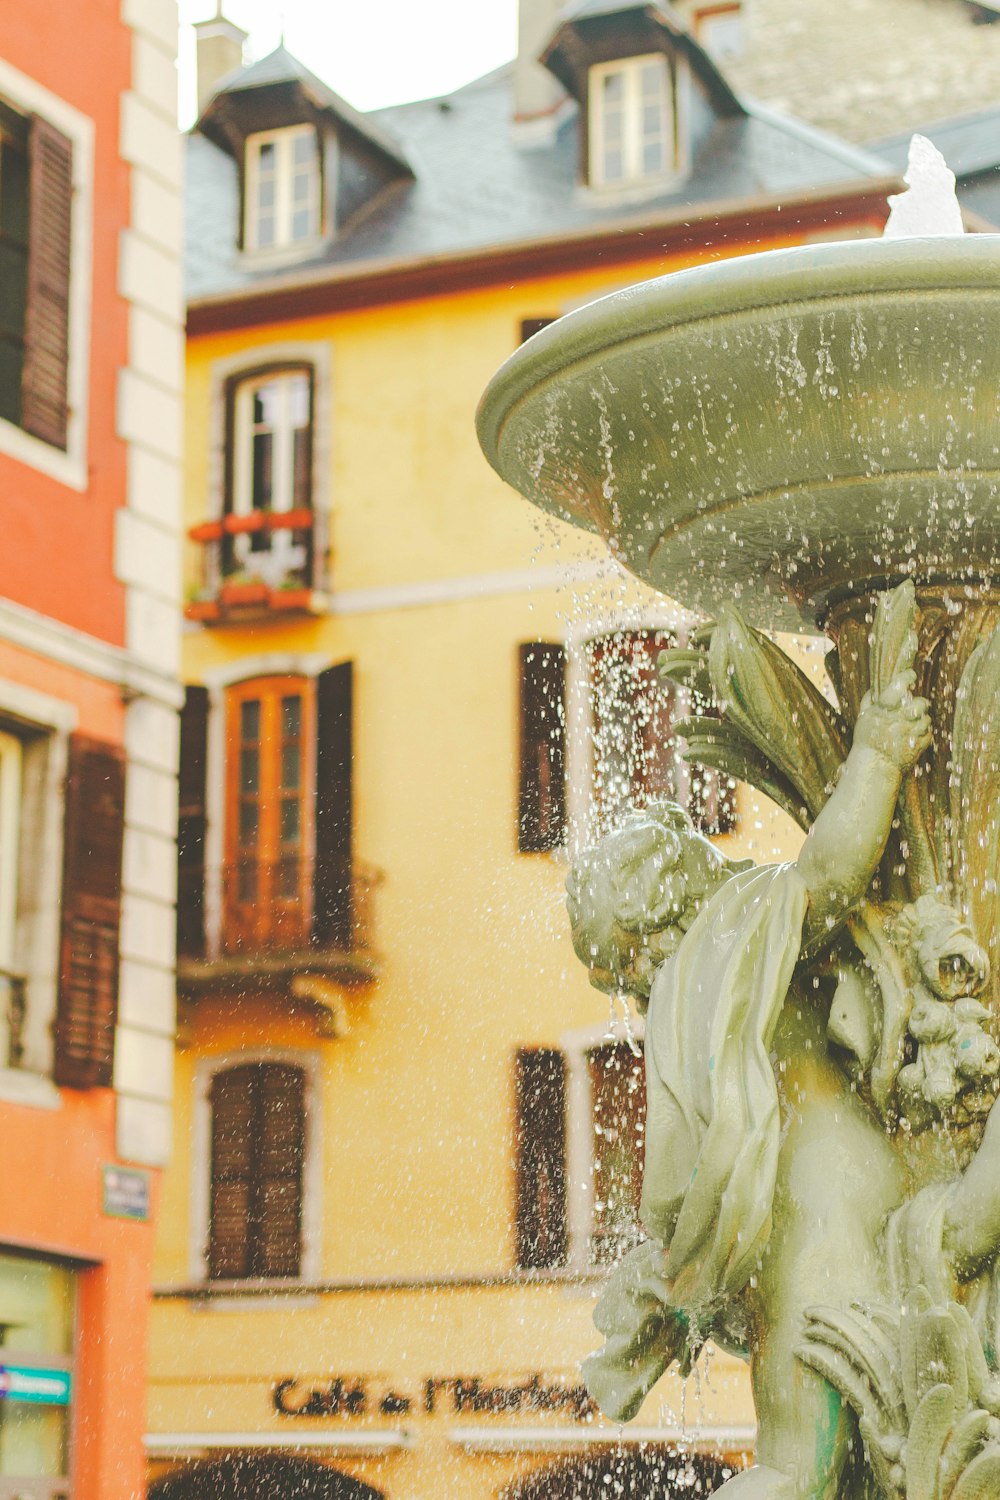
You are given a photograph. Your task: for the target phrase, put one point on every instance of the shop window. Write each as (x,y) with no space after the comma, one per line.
(37,1309)
(542,747)
(651,1469)
(541,1159)
(257,1156)
(267,533)
(283,199)
(36,194)
(618,1095)
(635,750)
(632,136)
(287,876)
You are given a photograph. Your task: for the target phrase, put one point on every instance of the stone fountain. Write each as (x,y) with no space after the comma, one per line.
(807,439)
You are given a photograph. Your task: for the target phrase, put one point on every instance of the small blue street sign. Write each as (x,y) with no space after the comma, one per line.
(126,1193)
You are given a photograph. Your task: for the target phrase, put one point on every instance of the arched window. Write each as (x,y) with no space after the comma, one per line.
(258,1139)
(654,1471)
(260,1476)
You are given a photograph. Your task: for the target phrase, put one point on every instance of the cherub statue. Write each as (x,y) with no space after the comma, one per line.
(755,1140)
(955,1055)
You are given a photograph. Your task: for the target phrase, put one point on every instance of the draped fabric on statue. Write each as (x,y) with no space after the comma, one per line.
(712,1135)
(712,1124)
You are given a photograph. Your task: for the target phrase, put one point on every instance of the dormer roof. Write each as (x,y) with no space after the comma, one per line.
(280,90)
(594,31)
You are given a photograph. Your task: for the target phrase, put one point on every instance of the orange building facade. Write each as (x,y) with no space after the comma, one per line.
(90,381)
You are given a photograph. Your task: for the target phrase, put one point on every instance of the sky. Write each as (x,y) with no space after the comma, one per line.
(375,53)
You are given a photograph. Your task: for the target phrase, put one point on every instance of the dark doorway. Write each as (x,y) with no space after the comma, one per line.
(260,1476)
(624,1475)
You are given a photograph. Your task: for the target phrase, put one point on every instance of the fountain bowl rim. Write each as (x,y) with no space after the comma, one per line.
(707,292)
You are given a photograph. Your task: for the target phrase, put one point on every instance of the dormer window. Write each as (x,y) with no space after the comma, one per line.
(282,188)
(631,121)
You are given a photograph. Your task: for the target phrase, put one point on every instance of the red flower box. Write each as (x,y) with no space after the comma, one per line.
(251,592)
(205,610)
(290,520)
(288,599)
(208,531)
(237,525)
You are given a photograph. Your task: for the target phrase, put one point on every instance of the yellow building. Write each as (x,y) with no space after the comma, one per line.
(407,1130)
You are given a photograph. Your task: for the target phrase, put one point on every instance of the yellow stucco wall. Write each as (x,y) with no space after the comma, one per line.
(416,1170)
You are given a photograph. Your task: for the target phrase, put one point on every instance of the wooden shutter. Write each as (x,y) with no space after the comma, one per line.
(91,909)
(44,410)
(541,1158)
(191,823)
(333,905)
(258,1150)
(618,1091)
(229,1235)
(541,820)
(278,1189)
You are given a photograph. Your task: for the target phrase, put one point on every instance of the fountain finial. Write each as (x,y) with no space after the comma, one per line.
(930,207)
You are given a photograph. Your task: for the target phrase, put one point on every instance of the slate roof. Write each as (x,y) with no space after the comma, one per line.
(281,66)
(970,144)
(476,187)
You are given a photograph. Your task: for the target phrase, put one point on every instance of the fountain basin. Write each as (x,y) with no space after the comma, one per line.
(787,430)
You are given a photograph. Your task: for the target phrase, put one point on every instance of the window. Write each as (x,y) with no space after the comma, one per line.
(36,194)
(270,492)
(282,188)
(59,929)
(37,1316)
(273,844)
(719,29)
(258,1123)
(542,790)
(587,1105)
(269,817)
(631,121)
(635,756)
(541,1159)
(618,1094)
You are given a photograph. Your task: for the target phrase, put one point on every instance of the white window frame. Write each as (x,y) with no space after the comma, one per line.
(727,21)
(631,71)
(69,465)
(41,726)
(282,555)
(312,1165)
(283,141)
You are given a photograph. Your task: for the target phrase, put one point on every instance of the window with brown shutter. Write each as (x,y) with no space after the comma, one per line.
(288,873)
(541,1221)
(91,908)
(191,823)
(44,410)
(333,894)
(618,1091)
(258,1153)
(541,821)
(267,885)
(636,756)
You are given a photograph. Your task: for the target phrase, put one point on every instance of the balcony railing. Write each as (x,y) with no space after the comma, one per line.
(269,906)
(13,992)
(254,565)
